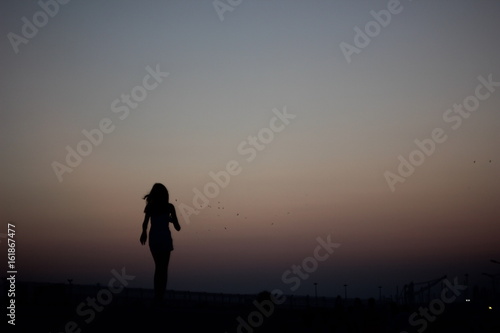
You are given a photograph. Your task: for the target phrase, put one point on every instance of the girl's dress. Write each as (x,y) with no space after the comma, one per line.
(160,238)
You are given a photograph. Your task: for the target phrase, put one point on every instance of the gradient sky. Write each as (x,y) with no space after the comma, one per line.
(323,174)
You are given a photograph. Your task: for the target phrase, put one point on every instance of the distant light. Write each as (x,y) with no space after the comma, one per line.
(467,299)
(490,308)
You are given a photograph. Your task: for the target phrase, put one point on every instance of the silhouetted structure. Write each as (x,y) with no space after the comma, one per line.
(424,292)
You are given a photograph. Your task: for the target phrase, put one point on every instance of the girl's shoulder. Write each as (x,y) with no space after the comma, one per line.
(154,209)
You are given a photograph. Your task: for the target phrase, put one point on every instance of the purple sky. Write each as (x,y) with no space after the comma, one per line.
(311,137)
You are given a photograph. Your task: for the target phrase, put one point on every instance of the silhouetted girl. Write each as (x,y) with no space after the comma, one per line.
(162,213)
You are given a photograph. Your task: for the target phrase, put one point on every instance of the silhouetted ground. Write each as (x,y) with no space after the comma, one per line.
(47,310)
(141,318)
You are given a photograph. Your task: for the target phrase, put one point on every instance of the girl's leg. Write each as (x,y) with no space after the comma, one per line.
(161,259)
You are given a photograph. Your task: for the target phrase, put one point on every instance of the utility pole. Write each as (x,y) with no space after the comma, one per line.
(316,292)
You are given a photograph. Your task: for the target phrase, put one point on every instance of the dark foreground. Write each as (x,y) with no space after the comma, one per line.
(49,313)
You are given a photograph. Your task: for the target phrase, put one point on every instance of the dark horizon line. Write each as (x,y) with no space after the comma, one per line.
(390,295)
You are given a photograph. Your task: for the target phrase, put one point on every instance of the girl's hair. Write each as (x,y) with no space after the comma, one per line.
(157,199)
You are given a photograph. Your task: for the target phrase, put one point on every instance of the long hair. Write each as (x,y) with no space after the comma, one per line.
(157,200)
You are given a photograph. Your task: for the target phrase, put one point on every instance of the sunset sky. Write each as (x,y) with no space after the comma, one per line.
(346,121)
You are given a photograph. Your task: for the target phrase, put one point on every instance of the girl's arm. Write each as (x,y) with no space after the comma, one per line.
(174,217)
(144,235)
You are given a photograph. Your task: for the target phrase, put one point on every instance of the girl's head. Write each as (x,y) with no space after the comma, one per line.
(158,194)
